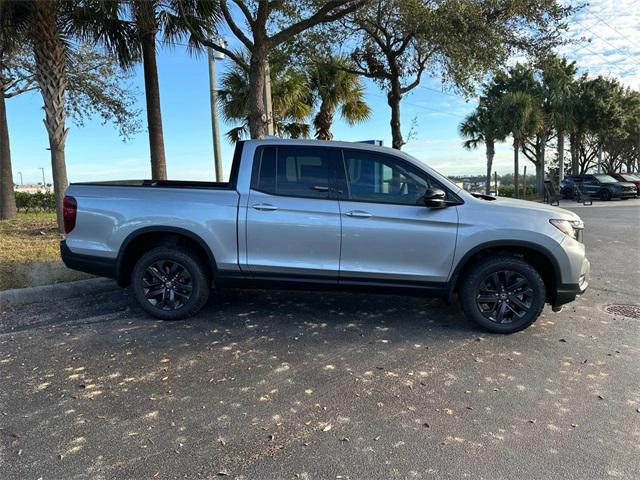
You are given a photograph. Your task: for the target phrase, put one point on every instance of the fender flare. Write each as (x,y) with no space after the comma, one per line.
(159,229)
(497,244)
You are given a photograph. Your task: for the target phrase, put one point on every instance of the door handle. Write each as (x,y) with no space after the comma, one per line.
(264,207)
(320,188)
(358,214)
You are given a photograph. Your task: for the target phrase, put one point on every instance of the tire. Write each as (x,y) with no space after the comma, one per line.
(567,193)
(178,278)
(510,271)
(605,195)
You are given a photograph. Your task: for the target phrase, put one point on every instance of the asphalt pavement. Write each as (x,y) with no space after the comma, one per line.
(303,385)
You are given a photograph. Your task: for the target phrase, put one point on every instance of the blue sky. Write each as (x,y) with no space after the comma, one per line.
(608,36)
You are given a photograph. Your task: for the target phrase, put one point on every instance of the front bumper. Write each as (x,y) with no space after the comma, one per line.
(626,194)
(566,293)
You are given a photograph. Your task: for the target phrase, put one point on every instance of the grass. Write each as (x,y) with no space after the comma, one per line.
(30,252)
(30,237)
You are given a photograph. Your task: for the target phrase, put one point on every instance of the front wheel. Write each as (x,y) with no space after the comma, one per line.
(170,283)
(502,294)
(605,195)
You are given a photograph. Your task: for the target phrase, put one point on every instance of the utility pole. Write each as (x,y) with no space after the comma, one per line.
(268,107)
(213,96)
(21,182)
(44,184)
(495,181)
(600,159)
(524,183)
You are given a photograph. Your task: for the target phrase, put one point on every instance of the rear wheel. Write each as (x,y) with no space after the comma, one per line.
(605,195)
(567,193)
(170,283)
(503,294)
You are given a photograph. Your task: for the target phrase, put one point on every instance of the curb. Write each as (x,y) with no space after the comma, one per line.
(57,291)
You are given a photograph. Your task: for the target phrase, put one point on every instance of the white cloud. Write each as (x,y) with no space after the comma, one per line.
(607,36)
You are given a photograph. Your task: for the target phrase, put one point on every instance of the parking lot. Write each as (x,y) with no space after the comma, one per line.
(327,385)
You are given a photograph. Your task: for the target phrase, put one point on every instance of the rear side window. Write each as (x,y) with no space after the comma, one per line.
(292,171)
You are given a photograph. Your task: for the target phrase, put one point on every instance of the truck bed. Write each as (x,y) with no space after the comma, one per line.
(159,184)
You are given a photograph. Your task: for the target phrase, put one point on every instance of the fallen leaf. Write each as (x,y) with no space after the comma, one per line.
(326,428)
(16,435)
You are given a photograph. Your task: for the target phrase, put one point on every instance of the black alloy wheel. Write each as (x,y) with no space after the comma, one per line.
(502,293)
(504,296)
(171,282)
(167,285)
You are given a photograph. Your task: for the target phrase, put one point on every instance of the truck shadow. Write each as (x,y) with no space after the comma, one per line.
(353,311)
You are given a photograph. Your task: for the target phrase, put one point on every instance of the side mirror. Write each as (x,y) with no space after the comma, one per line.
(434,198)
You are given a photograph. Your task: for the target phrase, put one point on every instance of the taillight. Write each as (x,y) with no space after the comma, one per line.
(69,211)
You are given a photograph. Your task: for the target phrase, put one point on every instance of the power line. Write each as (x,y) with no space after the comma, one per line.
(616,30)
(612,45)
(434,110)
(442,92)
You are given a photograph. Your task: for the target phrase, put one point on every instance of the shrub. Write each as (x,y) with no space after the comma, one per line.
(509,191)
(35,202)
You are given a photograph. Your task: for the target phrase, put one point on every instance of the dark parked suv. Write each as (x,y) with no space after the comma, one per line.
(600,186)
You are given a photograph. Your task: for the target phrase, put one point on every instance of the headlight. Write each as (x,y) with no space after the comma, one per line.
(568,227)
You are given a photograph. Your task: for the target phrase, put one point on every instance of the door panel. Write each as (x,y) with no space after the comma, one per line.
(398,242)
(293,226)
(387,235)
(299,236)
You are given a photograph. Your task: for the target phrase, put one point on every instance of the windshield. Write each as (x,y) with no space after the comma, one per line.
(630,178)
(605,179)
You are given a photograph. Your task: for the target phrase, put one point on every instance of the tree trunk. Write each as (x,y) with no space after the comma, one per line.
(393,100)
(154,114)
(560,156)
(257,111)
(516,168)
(539,178)
(50,55)
(574,145)
(324,120)
(7,195)
(491,151)
(541,146)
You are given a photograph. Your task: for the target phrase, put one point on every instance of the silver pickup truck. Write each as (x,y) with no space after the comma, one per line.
(326,215)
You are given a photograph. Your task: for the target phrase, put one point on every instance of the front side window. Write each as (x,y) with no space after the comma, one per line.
(380,178)
(293,171)
(605,179)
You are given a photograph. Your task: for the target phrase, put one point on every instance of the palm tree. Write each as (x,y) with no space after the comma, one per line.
(560,89)
(47,26)
(9,42)
(522,117)
(336,88)
(291,99)
(483,126)
(128,27)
